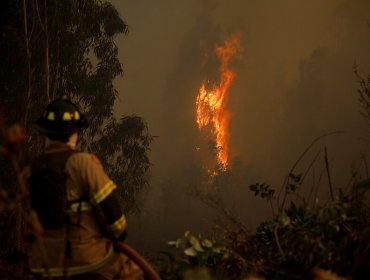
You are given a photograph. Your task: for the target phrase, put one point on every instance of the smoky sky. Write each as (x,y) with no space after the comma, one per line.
(294,82)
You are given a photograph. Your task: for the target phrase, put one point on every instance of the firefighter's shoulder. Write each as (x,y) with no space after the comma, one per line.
(86,158)
(95,159)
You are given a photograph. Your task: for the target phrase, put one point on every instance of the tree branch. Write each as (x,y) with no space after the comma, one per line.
(328,173)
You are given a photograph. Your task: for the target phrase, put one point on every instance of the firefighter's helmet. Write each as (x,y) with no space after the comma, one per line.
(61,116)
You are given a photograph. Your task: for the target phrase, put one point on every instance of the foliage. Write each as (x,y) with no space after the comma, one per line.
(67,48)
(264,190)
(59,48)
(292,245)
(364,94)
(302,240)
(202,253)
(124,147)
(299,239)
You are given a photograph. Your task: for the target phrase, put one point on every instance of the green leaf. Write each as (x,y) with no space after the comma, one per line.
(217,249)
(190,252)
(195,243)
(207,243)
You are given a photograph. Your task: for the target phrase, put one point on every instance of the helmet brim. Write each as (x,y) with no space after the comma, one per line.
(60,127)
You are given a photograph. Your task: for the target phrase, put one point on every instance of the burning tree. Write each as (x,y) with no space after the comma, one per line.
(211,103)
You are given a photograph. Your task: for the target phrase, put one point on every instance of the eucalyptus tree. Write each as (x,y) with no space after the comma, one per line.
(52,48)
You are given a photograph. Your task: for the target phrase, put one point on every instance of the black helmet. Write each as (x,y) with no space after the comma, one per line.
(61,116)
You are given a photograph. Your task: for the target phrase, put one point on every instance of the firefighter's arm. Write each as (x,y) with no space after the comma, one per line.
(103,195)
(116,220)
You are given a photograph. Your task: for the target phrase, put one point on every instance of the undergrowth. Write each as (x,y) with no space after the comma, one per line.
(302,240)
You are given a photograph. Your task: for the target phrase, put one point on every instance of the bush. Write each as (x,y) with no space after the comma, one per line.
(299,242)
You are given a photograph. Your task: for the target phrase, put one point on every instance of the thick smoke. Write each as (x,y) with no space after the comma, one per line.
(294,83)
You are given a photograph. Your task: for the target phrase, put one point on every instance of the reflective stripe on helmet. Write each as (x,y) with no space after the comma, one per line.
(68,116)
(51,116)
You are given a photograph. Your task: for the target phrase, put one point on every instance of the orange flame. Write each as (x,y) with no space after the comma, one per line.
(211,104)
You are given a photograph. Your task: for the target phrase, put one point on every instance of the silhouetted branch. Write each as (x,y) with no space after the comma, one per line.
(217,204)
(287,178)
(328,173)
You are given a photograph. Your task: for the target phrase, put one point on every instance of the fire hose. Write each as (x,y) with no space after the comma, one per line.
(148,270)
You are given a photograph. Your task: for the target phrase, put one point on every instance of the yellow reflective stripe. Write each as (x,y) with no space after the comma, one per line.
(118,225)
(80,206)
(75,270)
(77,115)
(67,116)
(103,193)
(51,116)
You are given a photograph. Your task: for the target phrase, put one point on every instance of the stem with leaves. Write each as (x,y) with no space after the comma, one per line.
(328,173)
(287,179)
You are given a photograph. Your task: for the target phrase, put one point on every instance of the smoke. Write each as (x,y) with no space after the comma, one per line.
(294,83)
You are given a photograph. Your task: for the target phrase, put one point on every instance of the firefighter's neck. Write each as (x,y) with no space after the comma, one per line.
(72,141)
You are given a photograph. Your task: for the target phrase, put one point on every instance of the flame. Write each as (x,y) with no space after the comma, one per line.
(211,103)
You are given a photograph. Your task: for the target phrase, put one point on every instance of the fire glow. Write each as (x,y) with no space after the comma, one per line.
(211,103)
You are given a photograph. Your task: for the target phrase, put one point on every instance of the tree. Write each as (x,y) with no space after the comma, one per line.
(66,48)
(123,148)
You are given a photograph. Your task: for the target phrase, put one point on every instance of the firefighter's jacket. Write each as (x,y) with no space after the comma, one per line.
(83,245)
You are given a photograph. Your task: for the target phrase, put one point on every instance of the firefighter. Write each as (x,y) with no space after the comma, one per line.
(82,218)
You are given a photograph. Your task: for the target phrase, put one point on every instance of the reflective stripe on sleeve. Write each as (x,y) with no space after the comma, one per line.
(80,206)
(103,193)
(118,225)
(75,270)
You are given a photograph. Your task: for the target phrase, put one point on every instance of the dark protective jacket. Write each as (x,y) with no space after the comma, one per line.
(95,218)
